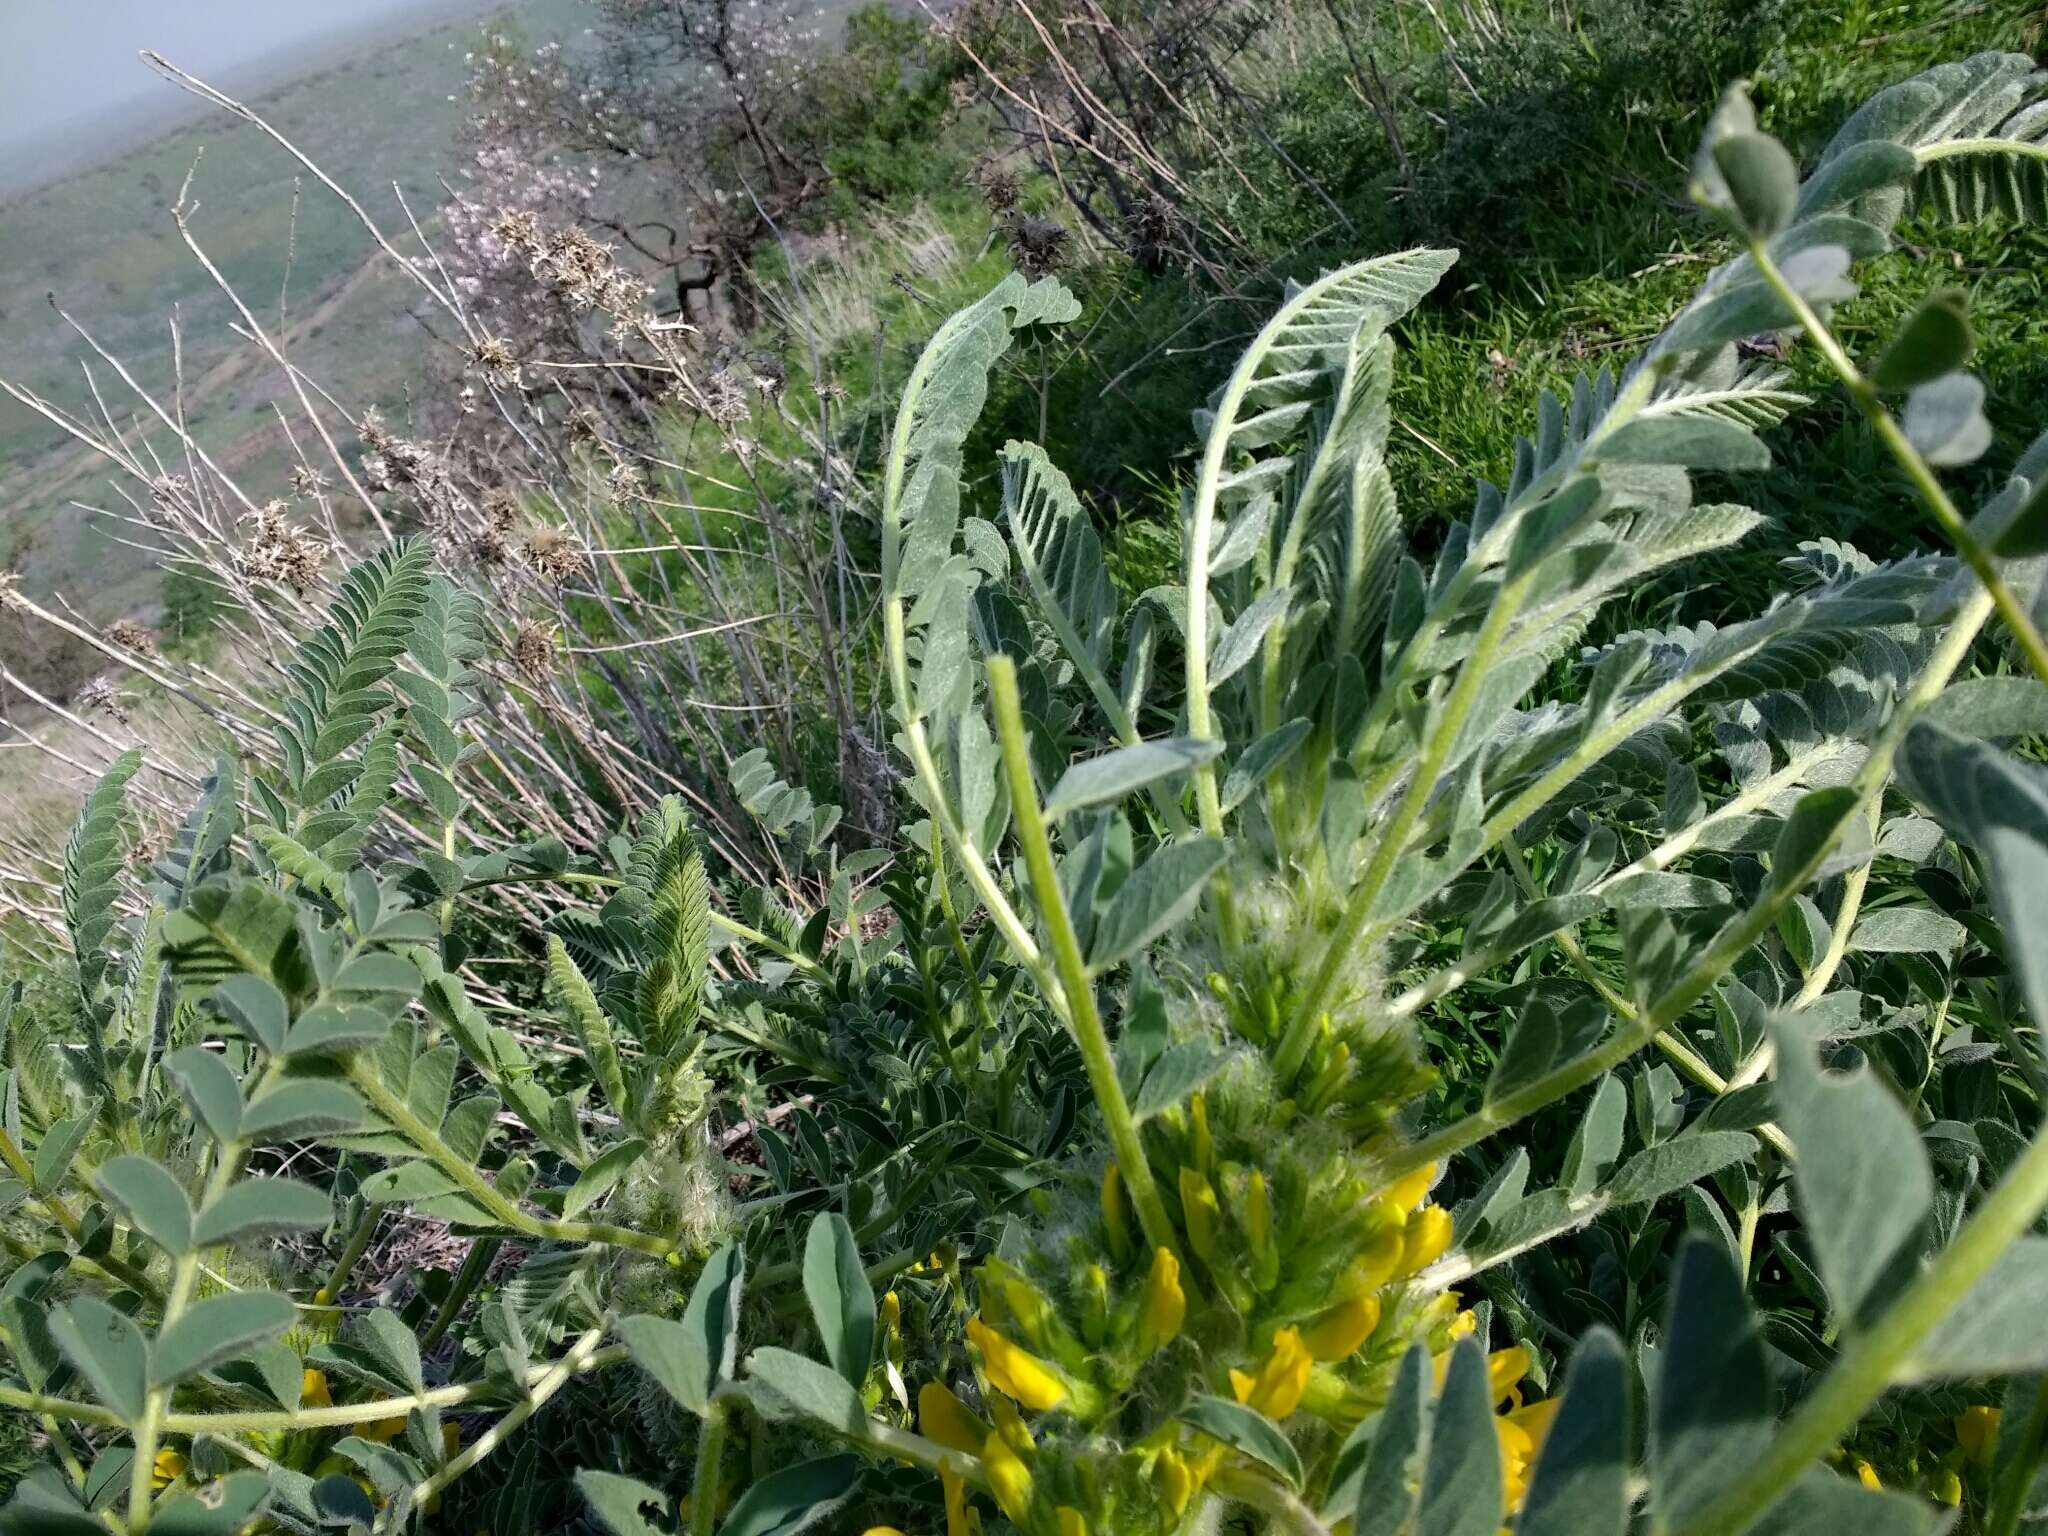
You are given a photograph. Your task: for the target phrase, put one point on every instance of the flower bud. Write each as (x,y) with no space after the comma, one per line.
(1201,1145)
(1165,1305)
(1199,1213)
(961,1519)
(1409,1191)
(1427,1236)
(1176,1483)
(1338,1333)
(1094,1305)
(1258,1229)
(1071,1521)
(1113,1214)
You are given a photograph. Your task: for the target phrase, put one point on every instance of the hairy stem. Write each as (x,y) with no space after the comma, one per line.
(1079,990)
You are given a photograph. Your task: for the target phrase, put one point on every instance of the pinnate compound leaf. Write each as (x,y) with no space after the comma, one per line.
(1763,180)
(254,1003)
(1246,1430)
(842,1301)
(795,1498)
(691,1359)
(1580,1483)
(209,1088)
(59,1146)
(218,1508)
(1671,1165)
(261,1207)
(1387,1487)
(1107,779)
(605,1170)
(155,1203)
(815,1391)
(1944,419)
(619,1503)
(218,1329)
(1461,1490)
(1709,1404)
(292,1111)
(1162,891)
(108,1350)
(1934,340)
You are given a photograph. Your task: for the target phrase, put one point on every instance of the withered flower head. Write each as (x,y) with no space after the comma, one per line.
(131,636)
(533,650)
(552,553)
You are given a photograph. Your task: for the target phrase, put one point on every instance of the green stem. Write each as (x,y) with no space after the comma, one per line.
(2011,1499)
(1885,1354)
(475,1265)
(61,1213)
(1079,990)
(552,1381)
(481,1190)
(704,1485)
(1863,394)
(351,1255)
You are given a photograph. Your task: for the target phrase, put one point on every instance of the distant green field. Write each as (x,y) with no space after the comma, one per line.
(104,245)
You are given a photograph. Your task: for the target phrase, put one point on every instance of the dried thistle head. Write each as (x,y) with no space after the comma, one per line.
(10,581)
(375,434)
(494,357)
(277,551)
(533,650)
(998,184)
(1038,246)
(1152,231)
(626,481)
(307,481)
(519,229)
(552,554)
(501,508)
(130,636)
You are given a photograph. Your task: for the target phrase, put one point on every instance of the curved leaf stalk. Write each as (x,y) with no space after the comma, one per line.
(478,1188)
(1079,1001)
(1866,399)
(552,1381)
(475,1265)
(1874,1361)
(351,1254)
(1727,947)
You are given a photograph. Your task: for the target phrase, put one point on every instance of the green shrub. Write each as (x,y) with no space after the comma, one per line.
(1232,1088)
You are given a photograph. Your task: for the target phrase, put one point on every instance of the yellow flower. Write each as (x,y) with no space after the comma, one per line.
(1199,1212)
(1427,1236)
(892,1314)
(1519,1429)
(1071,1521)
(451,1438)
(1408,1191)
(960,1519)
(1338,1333)
(1977,1433)
(1866,1474)
(1948,1487)
(1113,1213)
(1166,1304)
(941,1416)
(1376,1262)
(314,1391)
(383,1431)
(1258,1231)
(881,1530)
(1008,1478)
(1014,1371)
(1276,1390)
(167,1469)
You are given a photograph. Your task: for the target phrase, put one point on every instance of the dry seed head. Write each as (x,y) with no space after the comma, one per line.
(1038,246)
(998,185)
(130,636)
(495,357)
(533,650)
(98,697)
(552,553)
(725,398)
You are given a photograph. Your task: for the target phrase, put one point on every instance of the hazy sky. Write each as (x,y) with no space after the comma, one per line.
(68,66)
